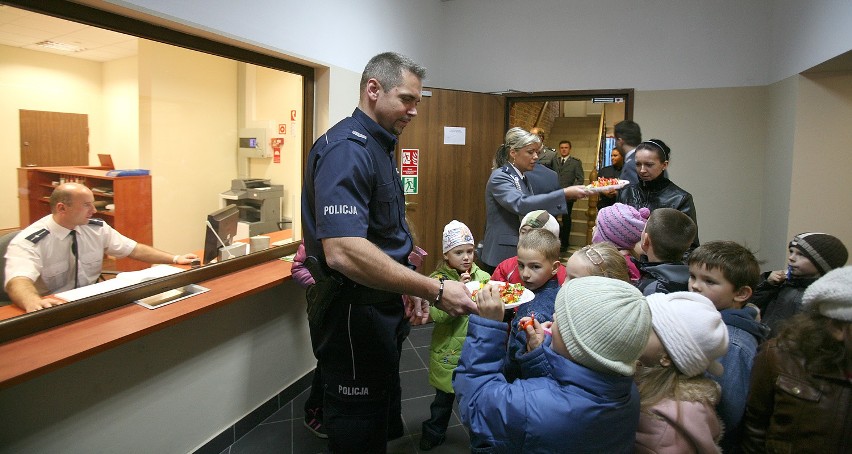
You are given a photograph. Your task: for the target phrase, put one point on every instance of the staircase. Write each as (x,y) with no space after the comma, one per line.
(583,134)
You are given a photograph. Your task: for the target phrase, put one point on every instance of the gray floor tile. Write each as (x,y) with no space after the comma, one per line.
(410,360)
(415,384)
(264,439)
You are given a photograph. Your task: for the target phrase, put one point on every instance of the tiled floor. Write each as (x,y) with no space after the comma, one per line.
(284,432)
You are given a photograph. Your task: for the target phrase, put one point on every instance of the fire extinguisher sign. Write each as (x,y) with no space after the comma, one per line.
(410,163)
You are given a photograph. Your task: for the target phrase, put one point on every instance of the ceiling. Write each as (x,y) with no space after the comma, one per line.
(23,29)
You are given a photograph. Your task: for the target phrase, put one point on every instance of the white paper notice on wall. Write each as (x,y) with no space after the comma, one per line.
(454,135)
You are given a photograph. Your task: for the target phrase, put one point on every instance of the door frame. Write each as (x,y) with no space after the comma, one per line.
(571,95)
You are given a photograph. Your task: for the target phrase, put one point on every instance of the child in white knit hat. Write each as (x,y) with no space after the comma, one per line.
(449,332)
(507,270)
(678,401)
(579,395)
(801,385)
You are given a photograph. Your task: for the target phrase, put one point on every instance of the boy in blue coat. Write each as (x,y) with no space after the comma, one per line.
(725,272)
(580,396)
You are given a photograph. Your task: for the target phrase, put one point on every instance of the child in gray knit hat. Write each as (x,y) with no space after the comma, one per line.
(578,394)
(801,384)
(779,294)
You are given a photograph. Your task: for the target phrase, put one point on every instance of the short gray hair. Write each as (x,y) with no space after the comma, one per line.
(388,69)
(517,138)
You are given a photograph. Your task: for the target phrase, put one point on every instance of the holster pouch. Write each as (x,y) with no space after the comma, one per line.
(326,287)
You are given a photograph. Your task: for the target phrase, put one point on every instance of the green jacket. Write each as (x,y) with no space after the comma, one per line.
(448,334)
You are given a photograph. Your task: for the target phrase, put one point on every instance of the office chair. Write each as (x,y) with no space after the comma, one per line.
(4,243)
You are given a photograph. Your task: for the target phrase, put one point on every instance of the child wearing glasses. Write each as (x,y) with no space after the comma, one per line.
(538,255)
(668,235)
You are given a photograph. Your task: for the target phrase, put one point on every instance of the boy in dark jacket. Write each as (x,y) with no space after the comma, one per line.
(779,294)
(725,272)
(668,235)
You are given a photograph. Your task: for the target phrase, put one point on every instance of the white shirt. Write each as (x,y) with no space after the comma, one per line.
(42,253)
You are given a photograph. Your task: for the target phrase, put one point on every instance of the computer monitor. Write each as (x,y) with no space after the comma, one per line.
(221,223)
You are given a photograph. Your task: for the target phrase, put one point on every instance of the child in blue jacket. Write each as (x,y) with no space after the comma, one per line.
(580,396)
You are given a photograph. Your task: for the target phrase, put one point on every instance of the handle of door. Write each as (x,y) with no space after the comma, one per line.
(410,204)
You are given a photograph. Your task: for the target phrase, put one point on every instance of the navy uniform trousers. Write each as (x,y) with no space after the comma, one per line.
(358,349)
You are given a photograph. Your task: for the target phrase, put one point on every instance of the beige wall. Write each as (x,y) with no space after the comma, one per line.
(820,194)
(718,143)
(29,80)
(120,97)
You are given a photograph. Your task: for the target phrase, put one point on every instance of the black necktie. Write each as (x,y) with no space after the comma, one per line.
(74,253)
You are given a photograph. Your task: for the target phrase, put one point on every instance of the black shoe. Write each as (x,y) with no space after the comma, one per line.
(427,441)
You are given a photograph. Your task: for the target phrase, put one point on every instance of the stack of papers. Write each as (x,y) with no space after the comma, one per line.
(121,280)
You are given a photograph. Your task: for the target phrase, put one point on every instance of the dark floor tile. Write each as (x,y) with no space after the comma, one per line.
(457,441)
(284,413)
(253,419)
(403,445)
(266,438)
(415,411)
(421,336)
(410,360)
(423,353)
(304,441)
(415,384)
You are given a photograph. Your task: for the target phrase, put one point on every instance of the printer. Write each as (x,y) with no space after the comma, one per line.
(259,203)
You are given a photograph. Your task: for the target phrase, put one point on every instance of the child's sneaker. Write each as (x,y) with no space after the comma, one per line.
(313,421)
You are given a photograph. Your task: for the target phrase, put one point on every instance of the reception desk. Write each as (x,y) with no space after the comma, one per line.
(165,380)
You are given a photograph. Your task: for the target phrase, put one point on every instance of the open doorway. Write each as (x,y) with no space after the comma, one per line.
(585,119)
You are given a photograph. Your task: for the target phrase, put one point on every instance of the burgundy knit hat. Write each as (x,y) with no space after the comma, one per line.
(621,225)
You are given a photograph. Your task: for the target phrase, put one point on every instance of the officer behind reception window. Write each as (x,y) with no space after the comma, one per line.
(65,250)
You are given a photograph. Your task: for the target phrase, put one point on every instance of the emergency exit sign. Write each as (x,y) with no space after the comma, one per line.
(409,185)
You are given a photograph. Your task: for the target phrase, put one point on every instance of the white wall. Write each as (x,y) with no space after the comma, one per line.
(718,142)
(169,391)
(806,33)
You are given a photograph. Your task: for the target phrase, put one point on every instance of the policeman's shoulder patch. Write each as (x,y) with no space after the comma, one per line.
(96,222)
(38,235)
(505,169)
(358,136)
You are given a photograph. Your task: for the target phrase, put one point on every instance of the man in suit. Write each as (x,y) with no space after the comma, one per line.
(628,136)
(570,172)
(545,153)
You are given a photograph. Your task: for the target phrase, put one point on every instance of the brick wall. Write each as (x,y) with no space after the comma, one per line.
(525,115)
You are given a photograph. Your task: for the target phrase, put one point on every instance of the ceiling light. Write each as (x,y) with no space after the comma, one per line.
(60,46)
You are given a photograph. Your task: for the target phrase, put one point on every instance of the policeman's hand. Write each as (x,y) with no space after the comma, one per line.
(37,304)
(456,299)
(576,192)
(489,302)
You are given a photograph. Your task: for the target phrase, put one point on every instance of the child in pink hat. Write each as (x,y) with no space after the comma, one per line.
(622,225)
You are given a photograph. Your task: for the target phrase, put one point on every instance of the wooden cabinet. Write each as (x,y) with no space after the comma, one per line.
(130,196)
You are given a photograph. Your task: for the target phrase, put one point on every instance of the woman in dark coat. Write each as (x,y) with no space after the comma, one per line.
(654,190)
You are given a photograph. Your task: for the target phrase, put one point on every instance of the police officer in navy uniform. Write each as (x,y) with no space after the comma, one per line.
(353,216)
(65,250)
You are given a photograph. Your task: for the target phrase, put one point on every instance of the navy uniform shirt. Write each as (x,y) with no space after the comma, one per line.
(352,189)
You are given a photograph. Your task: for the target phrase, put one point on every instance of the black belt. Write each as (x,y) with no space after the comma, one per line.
(365,295)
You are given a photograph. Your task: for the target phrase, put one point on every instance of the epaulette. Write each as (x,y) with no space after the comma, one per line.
(505,169)
(357,136)
(37,236)
(96,221)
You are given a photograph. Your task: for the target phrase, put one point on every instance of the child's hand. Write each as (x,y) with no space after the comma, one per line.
(777,277)
(465,277)
(489,302)
(535,331)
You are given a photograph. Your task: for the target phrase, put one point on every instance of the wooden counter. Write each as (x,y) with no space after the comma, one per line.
(42,352)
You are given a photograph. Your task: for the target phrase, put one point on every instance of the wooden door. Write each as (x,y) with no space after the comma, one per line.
(452,178)
(54,139)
